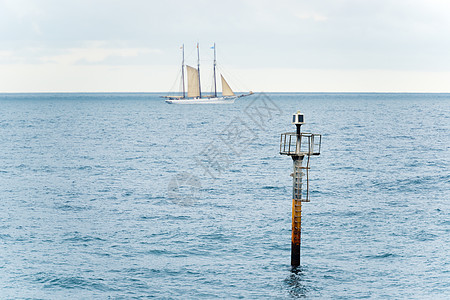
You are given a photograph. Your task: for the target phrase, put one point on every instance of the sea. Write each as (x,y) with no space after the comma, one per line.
(122,196)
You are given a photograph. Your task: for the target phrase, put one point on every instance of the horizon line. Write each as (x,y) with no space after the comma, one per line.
(262,92)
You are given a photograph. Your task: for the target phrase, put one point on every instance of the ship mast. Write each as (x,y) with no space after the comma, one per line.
(182,73)
(215,86)
(198,68)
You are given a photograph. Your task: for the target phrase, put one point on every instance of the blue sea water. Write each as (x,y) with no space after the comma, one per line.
(123,196)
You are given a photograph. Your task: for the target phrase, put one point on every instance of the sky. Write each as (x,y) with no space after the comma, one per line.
(270,46)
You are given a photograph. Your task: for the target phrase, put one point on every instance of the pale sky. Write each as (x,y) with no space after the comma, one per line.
(271,46)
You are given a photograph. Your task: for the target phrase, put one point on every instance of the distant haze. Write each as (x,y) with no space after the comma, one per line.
(286,45)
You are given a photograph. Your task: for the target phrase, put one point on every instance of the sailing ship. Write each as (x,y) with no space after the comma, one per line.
(194,92)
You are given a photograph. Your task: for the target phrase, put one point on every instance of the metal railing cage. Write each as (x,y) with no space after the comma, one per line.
(308,144)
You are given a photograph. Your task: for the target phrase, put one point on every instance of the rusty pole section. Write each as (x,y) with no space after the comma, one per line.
(296,211)
(299,145)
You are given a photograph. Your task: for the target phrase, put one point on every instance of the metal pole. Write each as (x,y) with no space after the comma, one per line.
(296,202)
(296,211)
(215,87)
(182,74)
(198,68)
(297,177)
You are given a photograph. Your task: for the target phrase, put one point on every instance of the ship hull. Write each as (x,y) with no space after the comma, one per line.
(216,100)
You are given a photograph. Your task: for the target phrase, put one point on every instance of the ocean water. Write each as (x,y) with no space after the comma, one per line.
(122,196)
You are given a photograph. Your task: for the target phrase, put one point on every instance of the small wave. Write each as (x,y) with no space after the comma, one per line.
(77,237)
(424,236)
(411,184)
(148,217)
(67,207)
(401,137)
(170,217)
(127,194)
(350,213)
(71,282)
(44,169)
(157,252)
(268,187)
(134,158)
(86,157)
(381,256)
(217,237)
(5,236)
(85,168)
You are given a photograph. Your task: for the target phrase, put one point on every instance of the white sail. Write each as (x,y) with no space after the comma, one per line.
(226,90)
(193,84)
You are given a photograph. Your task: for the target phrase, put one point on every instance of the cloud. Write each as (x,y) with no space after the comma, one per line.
(5,53)
(36,28)
(95,54)
(311,16)
(21,9)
